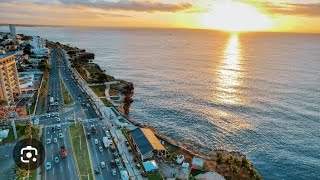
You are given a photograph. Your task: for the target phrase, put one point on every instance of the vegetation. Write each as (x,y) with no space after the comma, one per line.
(67,99)
(10,138)
(44,66)
(27,49)
(106,102)
(155,176)
(115,112)
(122,120)
(80,150)
(99,90)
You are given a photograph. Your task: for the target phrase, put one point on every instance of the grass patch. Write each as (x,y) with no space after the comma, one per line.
(155,176)
(106,102)
(99,90)
(122,120)
(114,98)
(33,175)
(115,112)
(80,151)
(67,99)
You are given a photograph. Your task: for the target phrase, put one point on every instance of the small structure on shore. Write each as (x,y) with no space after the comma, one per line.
(146,143)
(197,163)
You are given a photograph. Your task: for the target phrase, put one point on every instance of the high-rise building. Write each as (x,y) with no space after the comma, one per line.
(9,81)
(12,30)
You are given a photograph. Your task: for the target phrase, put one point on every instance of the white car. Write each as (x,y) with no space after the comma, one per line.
(58,127)
(103,164)
(48,115)
(48,165)
(96,141)
(55,140)
(100,149)
(58,119)
(48,141)
(114,172)
(60,135)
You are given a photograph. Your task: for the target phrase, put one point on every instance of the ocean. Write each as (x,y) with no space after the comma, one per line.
(257,93)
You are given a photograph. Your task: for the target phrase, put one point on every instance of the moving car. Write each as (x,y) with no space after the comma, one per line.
(48,141)
(89,135)
(96,171)
(103,164)
(60,135)
(100,149)
(58,119)
(96,141)
(58,127)
(56,159)
(55,140)
(114,172)
(63,152)
(48,165)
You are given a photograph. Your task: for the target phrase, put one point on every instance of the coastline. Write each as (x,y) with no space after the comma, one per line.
(182,148)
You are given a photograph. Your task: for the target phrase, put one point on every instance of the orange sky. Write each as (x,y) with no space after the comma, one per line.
(227,15)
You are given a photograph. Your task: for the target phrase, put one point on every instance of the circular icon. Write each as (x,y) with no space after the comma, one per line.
(28,154)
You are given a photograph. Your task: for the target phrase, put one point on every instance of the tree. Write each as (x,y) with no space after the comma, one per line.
(27,49)
(21,172)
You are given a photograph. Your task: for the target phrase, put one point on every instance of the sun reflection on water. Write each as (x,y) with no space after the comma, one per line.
(230,72)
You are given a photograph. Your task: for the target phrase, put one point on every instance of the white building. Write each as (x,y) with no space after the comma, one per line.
(38,45)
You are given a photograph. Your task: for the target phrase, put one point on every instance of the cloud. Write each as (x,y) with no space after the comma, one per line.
(126,5)
(285,8)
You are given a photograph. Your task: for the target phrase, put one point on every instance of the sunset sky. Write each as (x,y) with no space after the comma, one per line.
(227,15)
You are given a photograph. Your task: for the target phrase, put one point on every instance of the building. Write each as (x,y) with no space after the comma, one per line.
(12,30)
(9,81)
(39,48)
(146,143)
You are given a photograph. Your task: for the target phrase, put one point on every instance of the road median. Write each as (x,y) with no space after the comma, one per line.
(81,151)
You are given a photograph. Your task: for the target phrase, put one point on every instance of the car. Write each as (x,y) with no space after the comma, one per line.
(129,149)
(60,135)
(48,115)
(79,119)
(96,141)
(58,127)
(58,119)
(117,162)
(56,159)
(48,165)
(112,164)
(114,172)
(96,171)
(48,141)
(138,166)
(55,140)
(127,143)
(56,103)
(103,164)
(88,135)
(63,152)
(100,149)
(53,129)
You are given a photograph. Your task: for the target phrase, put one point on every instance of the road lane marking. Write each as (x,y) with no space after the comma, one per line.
(53,170)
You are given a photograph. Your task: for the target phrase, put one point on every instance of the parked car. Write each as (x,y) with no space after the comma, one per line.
(96,141)
(88,135)
(117,162)
(100,149)
(55,140)
(60,135)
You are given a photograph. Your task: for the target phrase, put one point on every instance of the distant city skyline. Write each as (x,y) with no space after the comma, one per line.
(226,15)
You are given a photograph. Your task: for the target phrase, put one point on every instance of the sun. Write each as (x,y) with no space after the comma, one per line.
(235,16)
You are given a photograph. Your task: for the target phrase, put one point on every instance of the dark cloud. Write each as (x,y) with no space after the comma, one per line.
(128,5)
